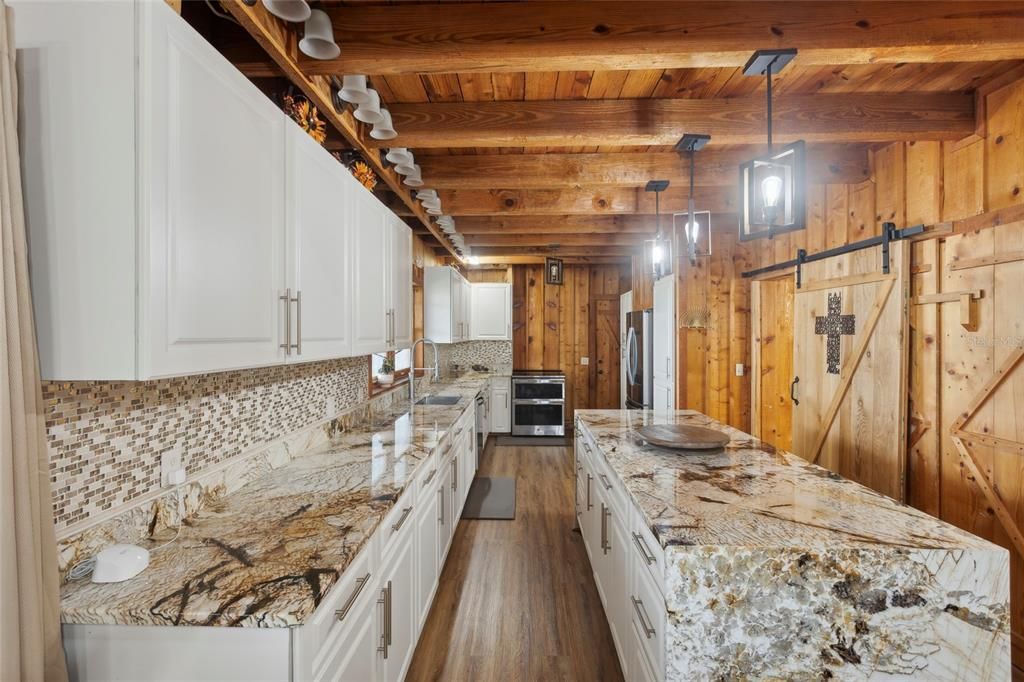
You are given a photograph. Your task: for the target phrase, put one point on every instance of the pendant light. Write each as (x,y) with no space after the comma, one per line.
(289,10)
(658,247)
(771,186)
(696,223)
(318,38)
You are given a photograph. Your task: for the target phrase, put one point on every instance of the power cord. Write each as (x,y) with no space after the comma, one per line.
(84,568)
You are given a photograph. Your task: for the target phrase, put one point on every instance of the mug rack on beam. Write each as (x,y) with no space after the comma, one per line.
(889,234)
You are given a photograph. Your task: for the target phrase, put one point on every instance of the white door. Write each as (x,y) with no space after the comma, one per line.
(369,274)
(625,307)
(467,310)
(663,327)
(617,588)
(400,625)
(212,146)
(444,518)
(401,283)
(491,311)
(664,397)
(501,406)
(319,193)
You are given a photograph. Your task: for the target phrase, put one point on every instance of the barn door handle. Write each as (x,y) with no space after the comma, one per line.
(792,390)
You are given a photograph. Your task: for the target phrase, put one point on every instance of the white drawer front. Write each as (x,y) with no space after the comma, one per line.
(649,617)
(343,603)
(647,550)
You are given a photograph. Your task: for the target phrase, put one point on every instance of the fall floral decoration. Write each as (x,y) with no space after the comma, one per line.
(307,116)
(364,174)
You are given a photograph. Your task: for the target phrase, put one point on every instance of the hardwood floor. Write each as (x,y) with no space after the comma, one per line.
(517,599)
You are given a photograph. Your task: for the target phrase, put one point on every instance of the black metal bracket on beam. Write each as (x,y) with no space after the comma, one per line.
(889,234)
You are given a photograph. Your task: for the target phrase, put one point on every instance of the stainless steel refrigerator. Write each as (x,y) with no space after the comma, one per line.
(639,352)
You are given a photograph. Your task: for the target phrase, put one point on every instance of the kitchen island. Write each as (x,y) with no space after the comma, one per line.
(749,562)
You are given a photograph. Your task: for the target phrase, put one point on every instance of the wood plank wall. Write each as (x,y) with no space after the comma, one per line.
(552,325)
(911,183)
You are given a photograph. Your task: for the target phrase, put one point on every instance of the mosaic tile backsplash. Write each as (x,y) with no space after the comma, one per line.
(106,438)
(495,355)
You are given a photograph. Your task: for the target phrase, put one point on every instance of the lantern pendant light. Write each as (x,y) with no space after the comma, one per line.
(693,227)
(659,246)
(771,188)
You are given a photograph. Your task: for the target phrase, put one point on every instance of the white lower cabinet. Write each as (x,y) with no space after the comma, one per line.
(428,546)
(623,562)
(357,659)
(397,602)
(501,405)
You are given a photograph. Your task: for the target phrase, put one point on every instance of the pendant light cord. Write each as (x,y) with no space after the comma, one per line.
(768,71)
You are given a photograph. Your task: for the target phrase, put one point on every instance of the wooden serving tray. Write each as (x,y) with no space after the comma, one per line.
(683,437)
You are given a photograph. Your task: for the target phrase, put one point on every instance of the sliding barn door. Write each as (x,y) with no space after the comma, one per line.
(850,349)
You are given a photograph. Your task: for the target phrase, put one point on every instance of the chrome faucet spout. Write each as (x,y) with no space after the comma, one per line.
(412,373)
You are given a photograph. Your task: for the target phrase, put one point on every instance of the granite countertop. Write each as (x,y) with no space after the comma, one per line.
(750,494)
(268,553)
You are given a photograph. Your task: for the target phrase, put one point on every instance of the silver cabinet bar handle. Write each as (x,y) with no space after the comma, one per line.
(360,584)
(589,479)
(605,481)
(405,514)
(642,546)
(383,601)
(298,322)
(604,528)
(388,620)
(441,518)
(430,477)
(287,298)
(455,474)
(641,613)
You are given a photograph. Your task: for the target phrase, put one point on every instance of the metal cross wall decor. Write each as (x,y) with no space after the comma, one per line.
(833,325)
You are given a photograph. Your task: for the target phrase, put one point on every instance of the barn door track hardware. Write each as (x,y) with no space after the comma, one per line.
(889,234)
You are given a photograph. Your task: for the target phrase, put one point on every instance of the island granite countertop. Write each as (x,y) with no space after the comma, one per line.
(779,569)
(266,554)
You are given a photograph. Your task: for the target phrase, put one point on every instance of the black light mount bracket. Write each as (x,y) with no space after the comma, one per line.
(656,186)
(692,142)
(761,60)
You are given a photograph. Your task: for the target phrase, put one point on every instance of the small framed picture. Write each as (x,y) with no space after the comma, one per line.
(553,270)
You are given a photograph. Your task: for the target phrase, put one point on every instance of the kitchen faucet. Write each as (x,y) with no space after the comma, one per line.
(412,372)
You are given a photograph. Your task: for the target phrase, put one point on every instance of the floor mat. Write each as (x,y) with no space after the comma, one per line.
(491,498)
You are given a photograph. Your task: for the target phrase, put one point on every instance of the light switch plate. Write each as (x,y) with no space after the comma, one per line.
(739,369)
(584,360)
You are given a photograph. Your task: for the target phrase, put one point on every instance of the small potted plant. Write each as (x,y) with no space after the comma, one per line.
(386,375)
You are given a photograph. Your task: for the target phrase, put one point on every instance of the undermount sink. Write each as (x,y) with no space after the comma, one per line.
(438,400)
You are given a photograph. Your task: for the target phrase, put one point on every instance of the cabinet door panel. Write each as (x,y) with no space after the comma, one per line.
(370,275)
(215,206)
(664,330)
(356,654)
(401,625)
(401,282)
(427,537)
(491,311)
(319,193)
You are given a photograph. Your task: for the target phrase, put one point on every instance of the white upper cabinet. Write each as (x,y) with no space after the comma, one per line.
(446,305)
(400,266)
(320,194)
(178,222)
(371,235)
(491,311)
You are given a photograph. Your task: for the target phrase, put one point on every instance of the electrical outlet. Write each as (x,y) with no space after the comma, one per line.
(584,360)
(739,369)
(170,465)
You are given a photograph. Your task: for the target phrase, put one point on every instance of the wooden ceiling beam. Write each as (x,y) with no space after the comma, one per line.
(559,251)
(607,201)
(561,238)
(561,36)
(826,164)
(555,224)
(281,45)
(539,260)
(847,117)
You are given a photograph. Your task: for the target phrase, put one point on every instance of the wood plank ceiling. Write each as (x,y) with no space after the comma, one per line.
(539,123)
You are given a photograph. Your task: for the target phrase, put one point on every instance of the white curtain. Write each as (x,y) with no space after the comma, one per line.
(30,645)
